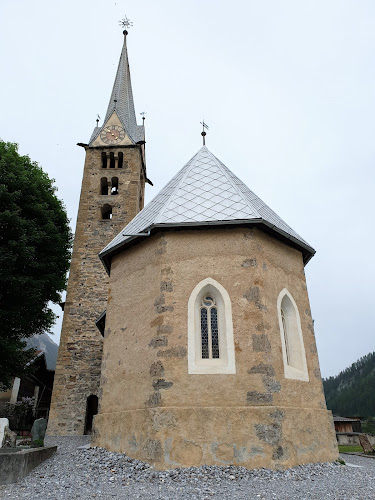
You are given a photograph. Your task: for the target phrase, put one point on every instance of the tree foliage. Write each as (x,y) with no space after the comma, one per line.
(35,243)
(352,392)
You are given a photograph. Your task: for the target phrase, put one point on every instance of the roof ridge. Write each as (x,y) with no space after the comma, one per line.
(230,180)
(188,168)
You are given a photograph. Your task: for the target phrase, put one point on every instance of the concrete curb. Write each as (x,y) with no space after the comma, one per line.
(16,463)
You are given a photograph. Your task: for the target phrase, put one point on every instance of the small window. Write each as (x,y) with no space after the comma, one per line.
(104,160)
(210,330)
(120,160)
(293,349)
(104,185)
(112,160)
(114,188)
(106,212)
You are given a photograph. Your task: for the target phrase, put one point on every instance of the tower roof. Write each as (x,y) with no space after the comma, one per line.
(205,192)
(121,101)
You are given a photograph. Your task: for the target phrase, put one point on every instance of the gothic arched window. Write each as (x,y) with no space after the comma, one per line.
(210,330)
(292,345)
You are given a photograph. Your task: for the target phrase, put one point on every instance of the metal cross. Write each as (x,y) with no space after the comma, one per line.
(125,23)
(143,116)
(203,133)
(97,120)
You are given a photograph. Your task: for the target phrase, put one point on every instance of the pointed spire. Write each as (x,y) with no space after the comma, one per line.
(121,100)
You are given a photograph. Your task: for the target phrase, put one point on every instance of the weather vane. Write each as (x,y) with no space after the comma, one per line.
(203,133)
(143,116)
(97,120)
(125,23)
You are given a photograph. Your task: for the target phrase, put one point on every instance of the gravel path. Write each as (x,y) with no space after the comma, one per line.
(98,474)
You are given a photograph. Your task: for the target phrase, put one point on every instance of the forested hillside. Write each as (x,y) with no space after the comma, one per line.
(352,392)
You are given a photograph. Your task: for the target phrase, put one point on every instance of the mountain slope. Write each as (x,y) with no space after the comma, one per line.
(352,392)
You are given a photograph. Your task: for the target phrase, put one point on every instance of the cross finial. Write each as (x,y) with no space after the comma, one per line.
(143,116)
(203,133)
(126,24)
(97,120)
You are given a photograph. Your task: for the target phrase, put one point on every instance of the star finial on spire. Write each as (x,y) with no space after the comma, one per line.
(125,23)
(203,133)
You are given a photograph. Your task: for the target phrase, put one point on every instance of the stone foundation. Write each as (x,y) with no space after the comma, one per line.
(259,436)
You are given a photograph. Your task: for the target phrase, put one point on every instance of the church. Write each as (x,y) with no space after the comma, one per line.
(187,336)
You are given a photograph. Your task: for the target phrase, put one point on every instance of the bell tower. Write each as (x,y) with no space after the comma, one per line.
(112,193)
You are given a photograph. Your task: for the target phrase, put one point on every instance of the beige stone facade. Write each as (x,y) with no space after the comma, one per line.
(153,409)
(80,353)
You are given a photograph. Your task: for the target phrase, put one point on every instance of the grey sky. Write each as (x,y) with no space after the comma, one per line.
(287,89)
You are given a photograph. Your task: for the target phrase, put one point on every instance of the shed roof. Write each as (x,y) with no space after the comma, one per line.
(204,192)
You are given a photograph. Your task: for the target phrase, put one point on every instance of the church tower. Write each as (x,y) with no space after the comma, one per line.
(112,193)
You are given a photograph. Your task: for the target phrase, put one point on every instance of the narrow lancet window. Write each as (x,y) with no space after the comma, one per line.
(104,160)
(103,185)
(285,331)
(209,328)
(106,212)
(111,160)
(204,334)
(120,160)
(293,348)
(114,189)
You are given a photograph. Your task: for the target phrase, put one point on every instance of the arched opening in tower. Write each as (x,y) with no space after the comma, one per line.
(114,189)
(104,185)
(106,211)
(91,410)
(112,160)
(104,160)
(120,160)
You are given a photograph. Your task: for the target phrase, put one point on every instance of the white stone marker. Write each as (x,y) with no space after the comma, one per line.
(4,422)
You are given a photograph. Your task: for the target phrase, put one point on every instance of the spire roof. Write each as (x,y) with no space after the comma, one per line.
(206,192)
(121,100)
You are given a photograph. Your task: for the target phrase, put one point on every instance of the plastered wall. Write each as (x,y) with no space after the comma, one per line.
(150,406)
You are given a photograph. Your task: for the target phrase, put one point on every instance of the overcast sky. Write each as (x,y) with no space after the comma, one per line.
(286,87)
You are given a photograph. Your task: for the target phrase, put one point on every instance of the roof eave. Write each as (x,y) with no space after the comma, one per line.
(105,255)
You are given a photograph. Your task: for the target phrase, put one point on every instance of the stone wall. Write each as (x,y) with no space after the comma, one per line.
(79,360)
(152,409)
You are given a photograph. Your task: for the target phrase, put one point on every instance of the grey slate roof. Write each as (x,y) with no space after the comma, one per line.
(124,107)
(204,192)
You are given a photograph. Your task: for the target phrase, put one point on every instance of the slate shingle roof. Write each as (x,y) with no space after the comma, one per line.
(205,192)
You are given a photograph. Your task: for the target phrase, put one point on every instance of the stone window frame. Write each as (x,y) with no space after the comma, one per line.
(292,345)
(226,364)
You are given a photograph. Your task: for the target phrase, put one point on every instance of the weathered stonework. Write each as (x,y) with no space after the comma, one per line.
(80,353)
(154,410)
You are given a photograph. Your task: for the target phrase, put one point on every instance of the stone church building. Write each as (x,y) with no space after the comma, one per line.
(192,329)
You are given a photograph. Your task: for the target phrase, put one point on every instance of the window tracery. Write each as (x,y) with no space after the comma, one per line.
(210,329)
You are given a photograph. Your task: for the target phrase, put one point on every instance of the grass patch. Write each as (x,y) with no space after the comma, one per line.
(348,449)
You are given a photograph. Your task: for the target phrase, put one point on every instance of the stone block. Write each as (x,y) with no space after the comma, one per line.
(38,430)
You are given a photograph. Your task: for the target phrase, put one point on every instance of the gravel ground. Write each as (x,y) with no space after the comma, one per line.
(74,473)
